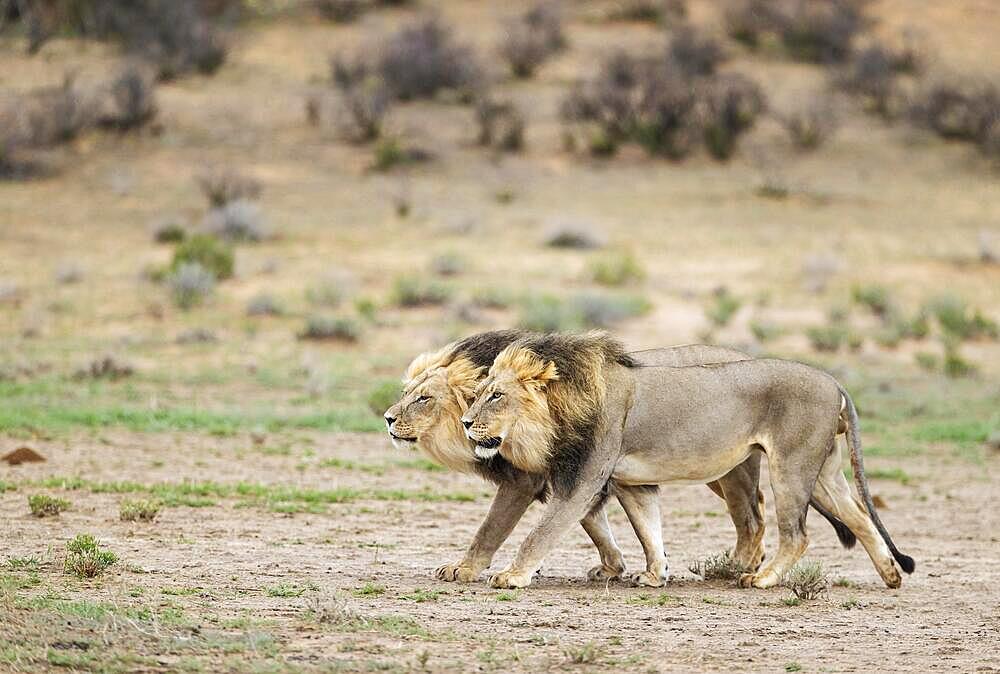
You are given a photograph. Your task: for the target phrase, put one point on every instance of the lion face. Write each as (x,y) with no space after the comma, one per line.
(425,403)
(510,414)
(427,415)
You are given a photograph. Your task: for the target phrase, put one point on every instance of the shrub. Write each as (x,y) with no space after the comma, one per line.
(139,510)
(954,364)
(415,291)
(718,567)
(210,253)
(872,76)
(650,11)
(491,297)
(959,321)
(390,152)
(365,98)
(615,269)
(723,307)
(545,313)
(733,104)
(170,229)
(812,124)
(131,101)
(341,11)
(236,221)
(447,264)
(331,328)
(105,367)
(264,305)
(828,337)
(604,311)
(806,580)
(529,41)
(695,53)
(224,185)
(421,59)
(501,125)
(876,297)
(326,292)
(817,31)
(383,396)
(46,506)
(959,109)
(190,283)
(85,558)
(764,331)
(580,236)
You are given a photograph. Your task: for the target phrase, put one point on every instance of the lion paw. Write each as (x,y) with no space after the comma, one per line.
(603,573)
(510,579)
(647,579)
(455,572)
(761,580)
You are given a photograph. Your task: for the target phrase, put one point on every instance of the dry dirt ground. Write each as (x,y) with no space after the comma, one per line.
(289,542)
(257,582)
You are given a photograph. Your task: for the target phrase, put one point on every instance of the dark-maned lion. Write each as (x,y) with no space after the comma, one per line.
(584,413)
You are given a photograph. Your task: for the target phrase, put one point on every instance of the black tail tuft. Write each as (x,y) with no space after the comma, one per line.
(846,536)
(905,562)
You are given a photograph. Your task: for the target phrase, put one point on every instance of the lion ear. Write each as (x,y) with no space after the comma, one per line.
(540,376)
(427,361)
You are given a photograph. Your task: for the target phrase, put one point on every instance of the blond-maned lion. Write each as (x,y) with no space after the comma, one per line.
(438,387)
(584,413)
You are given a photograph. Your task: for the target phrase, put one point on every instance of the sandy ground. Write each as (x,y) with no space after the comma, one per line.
(219,563)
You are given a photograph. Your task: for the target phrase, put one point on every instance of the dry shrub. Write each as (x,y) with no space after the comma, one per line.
(221,185)
(341,11)
(806,580)
(718,567)
(532,39)
(423,58)
(696,53)
(811,124)
(960,109)
(733,104)
(364,98)
(817,31)
(501,125)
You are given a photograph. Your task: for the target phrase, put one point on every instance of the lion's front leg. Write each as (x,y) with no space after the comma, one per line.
(564,508)
(612,564)
(642,506)
(512,499)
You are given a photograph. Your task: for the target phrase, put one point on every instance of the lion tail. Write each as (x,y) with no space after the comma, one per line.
(857,465)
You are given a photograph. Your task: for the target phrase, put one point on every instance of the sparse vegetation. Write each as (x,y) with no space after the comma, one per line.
(532,39)
(331,328)
(341,11)
(812,124)
(364,98)
(579,236)
(817,31)
(223,185)
(236,221)
(423,58)
(263,304)
(501,125)
(722,307)
(85,558)
(208,252)
(718,567)
(42,505)
(806,580)
(415,291)
(584,654)
(138,510)
(615,268)
(190,283)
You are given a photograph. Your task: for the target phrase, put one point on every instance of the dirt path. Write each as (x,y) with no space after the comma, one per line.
(237,585)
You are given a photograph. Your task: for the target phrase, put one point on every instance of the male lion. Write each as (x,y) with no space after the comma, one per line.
(582,412)
(437,389)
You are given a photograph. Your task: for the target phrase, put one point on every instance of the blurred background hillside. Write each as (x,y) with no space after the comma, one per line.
(231,215)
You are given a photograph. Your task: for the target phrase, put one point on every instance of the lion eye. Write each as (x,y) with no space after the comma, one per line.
(496,395)
(423,399)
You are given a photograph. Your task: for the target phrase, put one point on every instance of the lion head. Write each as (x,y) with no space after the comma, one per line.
(542,399)
(436,391)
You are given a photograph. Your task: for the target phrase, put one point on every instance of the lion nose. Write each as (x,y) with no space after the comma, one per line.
(389,419)
(465,423)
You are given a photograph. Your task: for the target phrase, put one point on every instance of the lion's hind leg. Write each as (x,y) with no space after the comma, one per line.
(745,503)
(833,492)
(642,506)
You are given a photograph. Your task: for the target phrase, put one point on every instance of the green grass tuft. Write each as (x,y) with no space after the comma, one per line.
(42,505)
(85,558)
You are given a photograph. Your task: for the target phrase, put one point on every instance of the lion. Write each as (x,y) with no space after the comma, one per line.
(438,387)
(588,416)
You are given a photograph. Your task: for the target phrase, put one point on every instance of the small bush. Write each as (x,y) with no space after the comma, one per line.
(383,396)
(763,331)
(828,337)
(264,305)
(959,109)
(170,229)
(585,654)
(447,264)
(326,292)
(876,297)
(546,313)
(365,98)
(501,125)
(131,101)
(812,124)
(723,307)
(615,269)
(648,11)
(422,59)
(718,567)
(959,321)
(212,254)
(236,221)
(532,39)
(733,105)
(696,54)
(415,291)
(341,11)
(491,297)
(190,283)
(85,558)
(224,185)
(390,152)
(872,75)
(139,510)
(954,364)
(806,580)
(817,31)
(323,328)
(579,236)
(605,311)
(42,505)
